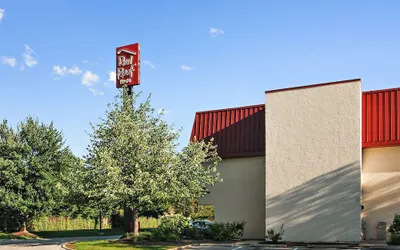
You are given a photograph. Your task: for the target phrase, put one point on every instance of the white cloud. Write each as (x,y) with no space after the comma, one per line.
(85,61)
(186,68)
(216,32)
(10,61)
(58,70)
(112,77)
(89,78)
(22,67)
(96,92)
(1,14)
(63,71)
(29,60)
(150,64)
(75,71)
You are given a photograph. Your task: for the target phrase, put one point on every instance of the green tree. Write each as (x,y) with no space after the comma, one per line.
(133,160)
(34,163)
(11,178)
(74,201)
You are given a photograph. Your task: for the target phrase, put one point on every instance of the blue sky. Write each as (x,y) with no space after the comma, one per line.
(56,55)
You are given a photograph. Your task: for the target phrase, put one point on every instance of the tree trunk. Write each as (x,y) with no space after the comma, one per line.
(101,220)
(135,220)
(24,227)
(127,219)
(96,222)
(131,221)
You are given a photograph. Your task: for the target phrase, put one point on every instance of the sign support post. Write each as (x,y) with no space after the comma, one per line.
(128,75)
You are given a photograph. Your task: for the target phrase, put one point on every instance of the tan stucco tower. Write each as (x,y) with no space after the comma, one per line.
(313,161)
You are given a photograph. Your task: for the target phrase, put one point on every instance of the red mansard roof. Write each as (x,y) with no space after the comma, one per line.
(381,118)
(240,132)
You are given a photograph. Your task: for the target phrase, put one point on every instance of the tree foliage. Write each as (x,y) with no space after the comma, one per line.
(34,167)
(133,160)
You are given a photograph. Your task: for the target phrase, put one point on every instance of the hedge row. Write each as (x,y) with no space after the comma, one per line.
(65,223)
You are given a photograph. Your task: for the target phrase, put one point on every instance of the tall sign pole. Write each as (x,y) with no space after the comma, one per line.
(127,76)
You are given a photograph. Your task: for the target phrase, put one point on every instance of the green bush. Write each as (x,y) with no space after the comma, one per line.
(176,224)
(204,212)
(225,231)
(143,236)
(172,227)
(393,240)
(175,227)
(275,236)
(394,230)
(126,235)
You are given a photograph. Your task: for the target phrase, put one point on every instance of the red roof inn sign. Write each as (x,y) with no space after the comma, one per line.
(128,65)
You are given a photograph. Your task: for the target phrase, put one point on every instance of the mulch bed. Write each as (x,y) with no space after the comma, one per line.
(71,245)
(26,234)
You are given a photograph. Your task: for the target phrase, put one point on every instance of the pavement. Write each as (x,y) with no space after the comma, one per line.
(47,244)
(56,243)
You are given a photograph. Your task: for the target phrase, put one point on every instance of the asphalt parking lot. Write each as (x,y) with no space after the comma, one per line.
(261,247)
(232,247)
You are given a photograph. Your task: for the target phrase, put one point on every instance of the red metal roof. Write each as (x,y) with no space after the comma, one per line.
(381,118)
(238,132)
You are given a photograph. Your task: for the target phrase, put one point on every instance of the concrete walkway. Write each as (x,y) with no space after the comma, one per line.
(47,244)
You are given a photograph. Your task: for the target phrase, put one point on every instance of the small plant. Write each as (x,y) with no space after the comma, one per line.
(127,235)
(363,227)
(225,231)
(275,237)
(394,230)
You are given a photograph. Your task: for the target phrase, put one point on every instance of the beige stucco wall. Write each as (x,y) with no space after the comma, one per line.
(313,158)
(240,197)
(381,187)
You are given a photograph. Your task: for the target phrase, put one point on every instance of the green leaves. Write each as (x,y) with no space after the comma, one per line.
(133,159)
(33,164)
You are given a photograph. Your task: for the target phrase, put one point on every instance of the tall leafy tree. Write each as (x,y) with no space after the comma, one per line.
(133,160)
(34,167)
(11,177)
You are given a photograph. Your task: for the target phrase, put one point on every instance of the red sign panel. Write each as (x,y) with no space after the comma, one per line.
(128,65)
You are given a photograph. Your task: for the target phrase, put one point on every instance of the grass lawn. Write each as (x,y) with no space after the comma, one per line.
(105,245)
(78,233)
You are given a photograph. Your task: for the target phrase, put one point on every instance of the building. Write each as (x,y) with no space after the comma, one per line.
(308,157)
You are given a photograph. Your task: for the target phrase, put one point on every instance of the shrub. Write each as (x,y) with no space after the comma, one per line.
(275,236)
(176,224)
(143,236)
(203,212)
(126,235)
(393,240)
(225,230)
(173,227)
(394,230)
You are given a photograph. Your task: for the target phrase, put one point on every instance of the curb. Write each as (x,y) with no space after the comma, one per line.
(64,246)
